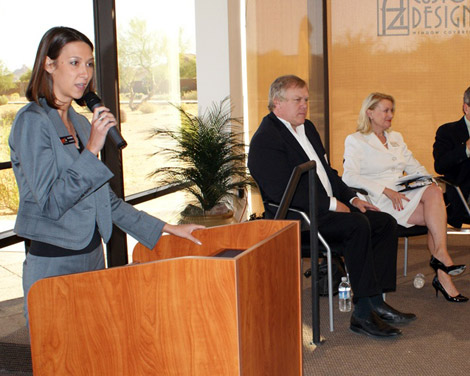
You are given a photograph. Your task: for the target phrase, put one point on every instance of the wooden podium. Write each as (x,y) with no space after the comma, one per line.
(180,309)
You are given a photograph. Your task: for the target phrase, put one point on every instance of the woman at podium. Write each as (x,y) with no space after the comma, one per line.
(66,204)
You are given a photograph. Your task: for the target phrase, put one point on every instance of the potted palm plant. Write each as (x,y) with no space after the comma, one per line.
(208,158)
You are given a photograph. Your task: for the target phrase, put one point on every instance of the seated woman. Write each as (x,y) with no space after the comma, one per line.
(374,159)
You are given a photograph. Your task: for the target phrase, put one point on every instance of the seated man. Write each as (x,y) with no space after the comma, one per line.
(451,153)
(284,140)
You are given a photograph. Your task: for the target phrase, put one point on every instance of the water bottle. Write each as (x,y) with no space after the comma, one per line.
(418,282)
(344,293)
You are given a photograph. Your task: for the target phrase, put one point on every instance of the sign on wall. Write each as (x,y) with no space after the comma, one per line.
(415,50)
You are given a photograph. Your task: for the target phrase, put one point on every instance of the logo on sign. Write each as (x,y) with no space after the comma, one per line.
(406,17)
(393,17)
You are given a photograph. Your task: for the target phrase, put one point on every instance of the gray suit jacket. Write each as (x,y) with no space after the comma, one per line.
(63,193)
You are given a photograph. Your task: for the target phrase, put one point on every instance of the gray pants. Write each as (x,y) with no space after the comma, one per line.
(36,268)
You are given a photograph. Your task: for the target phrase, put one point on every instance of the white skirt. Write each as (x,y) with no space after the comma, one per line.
(402,216)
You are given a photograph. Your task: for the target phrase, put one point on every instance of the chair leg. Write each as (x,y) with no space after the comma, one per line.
(464,201)
(405,263)
(330,280)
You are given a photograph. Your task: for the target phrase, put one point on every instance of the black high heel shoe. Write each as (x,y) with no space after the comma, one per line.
(456,299)
(451,270)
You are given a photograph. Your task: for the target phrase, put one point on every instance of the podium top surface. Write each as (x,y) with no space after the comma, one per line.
(242,236)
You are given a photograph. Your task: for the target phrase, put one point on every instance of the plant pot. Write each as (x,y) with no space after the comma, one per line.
(208,220)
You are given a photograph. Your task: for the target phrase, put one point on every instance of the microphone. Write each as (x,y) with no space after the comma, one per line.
(92,101)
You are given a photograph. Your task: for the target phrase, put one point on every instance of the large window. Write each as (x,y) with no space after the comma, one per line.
(21,30)
(157,68)
(19,45)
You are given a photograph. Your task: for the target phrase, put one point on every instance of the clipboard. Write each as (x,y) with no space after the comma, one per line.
(409,182)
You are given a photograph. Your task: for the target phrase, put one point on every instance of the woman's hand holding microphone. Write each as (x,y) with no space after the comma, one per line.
(101,122)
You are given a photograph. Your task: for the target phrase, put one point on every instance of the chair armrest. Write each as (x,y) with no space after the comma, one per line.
(442,179)
(327,249)
(457,188)
(303,214)
(360,190)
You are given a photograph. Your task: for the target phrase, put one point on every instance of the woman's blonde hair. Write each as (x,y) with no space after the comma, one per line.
(370,103)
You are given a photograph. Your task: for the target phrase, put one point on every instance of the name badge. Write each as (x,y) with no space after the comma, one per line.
(67,140)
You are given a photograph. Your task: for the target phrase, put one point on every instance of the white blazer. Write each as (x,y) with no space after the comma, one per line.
(369,165)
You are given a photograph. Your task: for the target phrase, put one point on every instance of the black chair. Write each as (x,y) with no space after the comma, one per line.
(464,201)
(422,230)
(310,243)
(407,232)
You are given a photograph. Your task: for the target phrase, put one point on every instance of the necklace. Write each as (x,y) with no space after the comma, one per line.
(384,143)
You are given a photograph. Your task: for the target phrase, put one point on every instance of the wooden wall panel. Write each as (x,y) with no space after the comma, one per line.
(283,37)
(415,51)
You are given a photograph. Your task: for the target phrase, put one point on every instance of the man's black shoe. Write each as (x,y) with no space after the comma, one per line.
(373,326)
(391,315)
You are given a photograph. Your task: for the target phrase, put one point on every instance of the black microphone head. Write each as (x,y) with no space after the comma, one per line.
(92,100)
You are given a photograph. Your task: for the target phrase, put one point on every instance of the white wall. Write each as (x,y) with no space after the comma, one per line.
(219,62)
(213,51)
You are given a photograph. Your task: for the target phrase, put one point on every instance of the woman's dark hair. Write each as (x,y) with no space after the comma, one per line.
(40,85)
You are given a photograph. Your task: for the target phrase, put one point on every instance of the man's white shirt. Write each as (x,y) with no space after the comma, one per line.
(301,137)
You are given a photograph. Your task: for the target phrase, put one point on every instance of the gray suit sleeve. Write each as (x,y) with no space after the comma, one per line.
(35,156)
(140,225)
